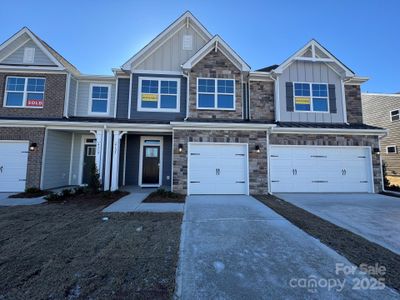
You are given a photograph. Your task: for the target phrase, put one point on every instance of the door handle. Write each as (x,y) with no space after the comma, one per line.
(294,171)
(217,171)
(1,169)
(344,172)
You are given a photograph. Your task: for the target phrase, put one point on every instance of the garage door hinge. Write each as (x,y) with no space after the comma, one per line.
(363,181)
(194,153)
(24,151)
(22,180)
(321,156)
(319,181)
(239,154)
(240,181)
(361,157)
(195,182)
(275,181)
(274,155)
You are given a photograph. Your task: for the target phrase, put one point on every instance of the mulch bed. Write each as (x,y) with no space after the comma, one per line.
(66,250)
(156,198)
(355,248)
(90,199)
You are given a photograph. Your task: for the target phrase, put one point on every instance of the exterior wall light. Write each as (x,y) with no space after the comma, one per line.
(32,147)
(376,151)
(180,148)
(258,150)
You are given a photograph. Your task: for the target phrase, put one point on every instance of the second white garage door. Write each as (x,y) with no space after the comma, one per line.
(320,169)
(13,163)
(217,168)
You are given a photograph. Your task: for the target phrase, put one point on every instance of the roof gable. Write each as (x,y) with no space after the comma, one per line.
(315,52)
(187,20)
(217,43)
(12,50)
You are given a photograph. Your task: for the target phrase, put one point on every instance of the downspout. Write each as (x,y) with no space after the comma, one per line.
(277,106)
(344,103)
(66,100)
(380,161)
(187,94)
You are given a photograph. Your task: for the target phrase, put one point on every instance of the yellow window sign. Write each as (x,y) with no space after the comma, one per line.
(149,97)
(302,100)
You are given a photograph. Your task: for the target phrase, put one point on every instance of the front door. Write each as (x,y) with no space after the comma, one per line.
(151,157)
(89,159)
(151,165)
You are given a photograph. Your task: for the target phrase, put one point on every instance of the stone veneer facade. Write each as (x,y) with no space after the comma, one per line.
(353,104)
(54,96)
(335,140)
(33,135)
(215,65)
(257,161)
(262,101)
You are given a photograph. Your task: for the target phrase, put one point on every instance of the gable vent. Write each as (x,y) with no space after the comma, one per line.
(187,42)
(29,55)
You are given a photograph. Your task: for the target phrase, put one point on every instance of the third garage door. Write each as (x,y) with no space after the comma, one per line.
(320,169)
(217,168)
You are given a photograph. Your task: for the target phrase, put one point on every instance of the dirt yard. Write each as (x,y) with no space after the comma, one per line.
(66,250)
(354,247)
(395,180)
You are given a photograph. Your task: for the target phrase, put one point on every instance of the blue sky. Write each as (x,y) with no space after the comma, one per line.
(98,35)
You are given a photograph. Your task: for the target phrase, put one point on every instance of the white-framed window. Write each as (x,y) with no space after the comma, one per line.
(310,97)
(159,94)
(27,92)
(391,149)
(99,98)
(395,115)
(216,93)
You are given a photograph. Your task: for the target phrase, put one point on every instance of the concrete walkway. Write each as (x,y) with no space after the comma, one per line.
(234,247)
(5,201)
(373,216)
(133,203)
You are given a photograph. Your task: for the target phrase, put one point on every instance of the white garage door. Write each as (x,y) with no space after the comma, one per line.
(320,169)
(217,168)
(13,163)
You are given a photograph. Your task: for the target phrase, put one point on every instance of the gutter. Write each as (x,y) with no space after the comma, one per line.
(335,131)
(217,126)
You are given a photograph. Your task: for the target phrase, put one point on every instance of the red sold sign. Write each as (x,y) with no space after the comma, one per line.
(34,103)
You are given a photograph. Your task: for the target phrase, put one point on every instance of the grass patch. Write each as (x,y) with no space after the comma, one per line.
(67,251)
(355,248)
(164,196)
(30,193)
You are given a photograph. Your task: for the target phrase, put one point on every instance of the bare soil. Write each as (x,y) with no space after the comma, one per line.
(66,250)
(355,248)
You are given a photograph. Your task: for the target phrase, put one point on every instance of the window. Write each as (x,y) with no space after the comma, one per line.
(216,93)
(391,149)
(24,92)
(311,97)
(158,94)
(100,96)
(29,55)
(395,115)
(91,151)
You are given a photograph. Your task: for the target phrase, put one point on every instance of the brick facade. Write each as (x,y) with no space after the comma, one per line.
(54,96)
(257,161)
(215,65)
(33,135)
(335,140)
(262,100)
(353,103)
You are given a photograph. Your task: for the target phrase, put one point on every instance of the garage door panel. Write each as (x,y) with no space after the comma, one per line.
(13,165)
(327,169)
(218,169)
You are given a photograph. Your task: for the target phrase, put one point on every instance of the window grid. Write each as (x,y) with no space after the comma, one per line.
(395,115)
(164,88)
(99,93)
(310,92)
(31,88)
(226,88)
(391,149)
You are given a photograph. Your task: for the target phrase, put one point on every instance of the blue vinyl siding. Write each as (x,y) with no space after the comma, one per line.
(123,98)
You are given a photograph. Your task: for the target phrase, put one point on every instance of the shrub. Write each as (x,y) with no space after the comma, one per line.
(166,194)
(66,193)
(33,190)
(94,179)
(79,190)
(53,197)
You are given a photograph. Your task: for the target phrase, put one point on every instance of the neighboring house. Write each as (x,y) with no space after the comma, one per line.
(188,113)
(383,110)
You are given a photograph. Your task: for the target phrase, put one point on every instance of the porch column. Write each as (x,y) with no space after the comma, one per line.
(107,168)
(99,151)
(115,159)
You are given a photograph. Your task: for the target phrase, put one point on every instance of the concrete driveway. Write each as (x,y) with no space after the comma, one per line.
(234,247)
(373,216)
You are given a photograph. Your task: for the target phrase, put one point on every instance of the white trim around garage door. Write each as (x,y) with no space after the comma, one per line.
(210,143)
(371,168)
